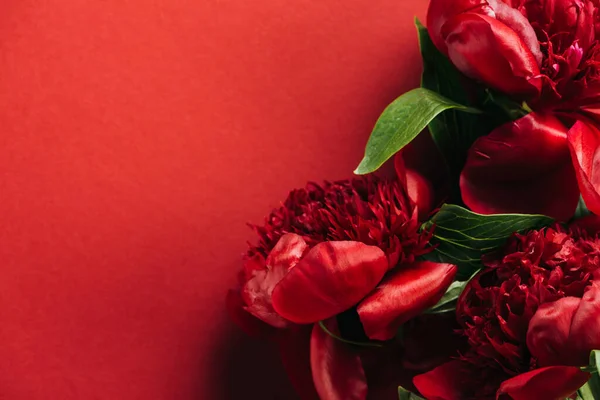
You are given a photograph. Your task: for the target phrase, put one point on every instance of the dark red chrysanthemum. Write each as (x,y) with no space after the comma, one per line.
(370,210)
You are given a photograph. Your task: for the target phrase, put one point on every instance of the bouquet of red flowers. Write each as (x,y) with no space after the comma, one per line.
(473,272)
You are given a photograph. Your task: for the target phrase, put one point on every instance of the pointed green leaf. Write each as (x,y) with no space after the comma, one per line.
(462,236)
(404,394)
(448,301)
(401,122)
(593,385)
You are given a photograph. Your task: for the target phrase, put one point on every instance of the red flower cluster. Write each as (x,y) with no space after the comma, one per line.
(349,245)
(531,321)
(547,53)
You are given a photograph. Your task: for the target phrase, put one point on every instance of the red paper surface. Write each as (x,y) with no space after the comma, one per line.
(136,139)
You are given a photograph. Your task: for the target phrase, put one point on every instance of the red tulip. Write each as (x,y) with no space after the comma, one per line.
(523,166)
(565,331)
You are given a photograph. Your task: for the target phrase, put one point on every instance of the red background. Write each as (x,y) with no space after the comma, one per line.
(136,139)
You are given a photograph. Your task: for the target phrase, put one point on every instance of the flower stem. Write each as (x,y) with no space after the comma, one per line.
(341,339)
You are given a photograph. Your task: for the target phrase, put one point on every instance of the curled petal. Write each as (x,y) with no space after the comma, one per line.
(522,167)
(440,11)
(486,49)
(402,295)
(561,333)
(419,189)
(516,21)
(584,143)
(336,368)
(551,383)
(548,333)
(257,291)
(445,382)
(251,325)
(331,278)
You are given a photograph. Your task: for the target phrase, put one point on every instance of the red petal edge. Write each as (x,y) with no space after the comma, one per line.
(550,383)
(522,167)
(403,294)
(331,278)
(336,368)
(584,141)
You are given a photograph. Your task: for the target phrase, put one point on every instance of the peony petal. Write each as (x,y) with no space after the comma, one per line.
(419,189)
(487,50)
(516,21)
(583,337)
(440,11)
(331,278)
(257,291)
(287,252)
(445,382)
(589,224)
(550,383)
(251,325)
(548,333)
(403,294)
(522,167)
(336,368)
(294,350)
(584,142)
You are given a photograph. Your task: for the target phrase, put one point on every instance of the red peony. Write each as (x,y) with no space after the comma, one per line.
(531,321)
(344,253)
(547,53)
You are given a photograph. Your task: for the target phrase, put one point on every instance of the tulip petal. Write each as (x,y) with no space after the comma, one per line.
(584,143)
(258,289)
(522,167)
(440,11)
(549,383)
(336,368)
(402,295)
(487,50)
(331,278)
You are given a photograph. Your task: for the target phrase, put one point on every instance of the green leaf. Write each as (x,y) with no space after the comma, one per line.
(462,236)
(581,210)
(448,301)
(594,382)
(404,394)
(585,393)
(452,131)
(401,122)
